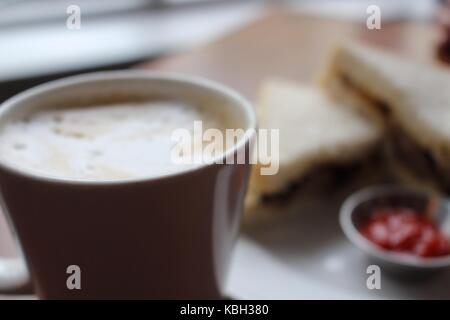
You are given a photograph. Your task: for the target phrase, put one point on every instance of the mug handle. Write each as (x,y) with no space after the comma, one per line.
(14,276)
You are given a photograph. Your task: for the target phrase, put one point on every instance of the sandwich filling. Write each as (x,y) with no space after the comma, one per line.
(334,175)
(418,162)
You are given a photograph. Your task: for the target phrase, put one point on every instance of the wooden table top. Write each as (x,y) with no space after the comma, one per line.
(281,44)
(289,45)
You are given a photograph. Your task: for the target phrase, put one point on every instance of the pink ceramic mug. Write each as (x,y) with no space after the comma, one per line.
(164,237)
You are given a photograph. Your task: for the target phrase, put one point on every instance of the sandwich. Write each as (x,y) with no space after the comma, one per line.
(316,134)
(409,99)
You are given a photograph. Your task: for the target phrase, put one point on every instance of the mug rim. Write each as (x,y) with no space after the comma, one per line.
(200,82)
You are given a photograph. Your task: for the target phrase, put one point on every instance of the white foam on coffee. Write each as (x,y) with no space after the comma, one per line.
(102,142)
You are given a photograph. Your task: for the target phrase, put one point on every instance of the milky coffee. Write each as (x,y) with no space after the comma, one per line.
(102,142)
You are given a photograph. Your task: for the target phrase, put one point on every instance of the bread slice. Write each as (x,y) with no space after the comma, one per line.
(412,100)
(313,131)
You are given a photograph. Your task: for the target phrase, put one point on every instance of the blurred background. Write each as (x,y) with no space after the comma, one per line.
(36,45)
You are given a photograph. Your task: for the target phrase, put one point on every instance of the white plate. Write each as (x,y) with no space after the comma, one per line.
(296,250)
